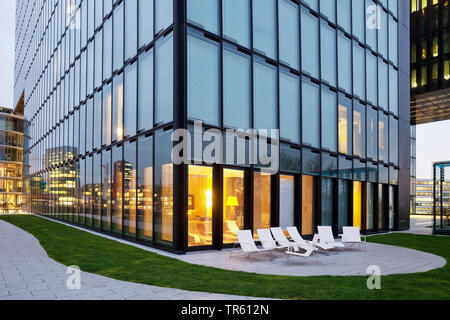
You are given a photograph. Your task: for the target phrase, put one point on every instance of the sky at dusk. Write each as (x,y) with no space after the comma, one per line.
(433,140)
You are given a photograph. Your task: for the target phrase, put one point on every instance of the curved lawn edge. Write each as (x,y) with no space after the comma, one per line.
(109,258)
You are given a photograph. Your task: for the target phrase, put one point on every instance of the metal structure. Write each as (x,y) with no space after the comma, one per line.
(441,214)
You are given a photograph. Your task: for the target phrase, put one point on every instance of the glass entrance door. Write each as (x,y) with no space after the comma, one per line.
(200,206)
(233,204)
(308,205)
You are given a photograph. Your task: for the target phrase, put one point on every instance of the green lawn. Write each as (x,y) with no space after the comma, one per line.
(94,254)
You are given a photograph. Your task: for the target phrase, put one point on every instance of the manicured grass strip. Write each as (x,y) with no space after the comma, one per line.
(98,255)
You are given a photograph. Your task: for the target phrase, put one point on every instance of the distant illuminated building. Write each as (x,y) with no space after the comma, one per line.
(13,189)
(424,199)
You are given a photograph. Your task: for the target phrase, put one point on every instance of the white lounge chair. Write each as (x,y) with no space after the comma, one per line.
(326,237)
(352,236)
(267,241)
(297,238)
(281,239)
(247,244)
(307,254)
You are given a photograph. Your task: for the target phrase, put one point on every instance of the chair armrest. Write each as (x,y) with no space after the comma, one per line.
(364,238)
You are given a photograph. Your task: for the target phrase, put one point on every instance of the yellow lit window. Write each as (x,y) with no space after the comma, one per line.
(200,206)
(343,134)
(447,70)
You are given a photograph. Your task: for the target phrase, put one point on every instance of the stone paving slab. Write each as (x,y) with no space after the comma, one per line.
(27,273)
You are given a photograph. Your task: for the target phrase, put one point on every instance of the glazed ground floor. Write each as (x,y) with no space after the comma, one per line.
(216,202)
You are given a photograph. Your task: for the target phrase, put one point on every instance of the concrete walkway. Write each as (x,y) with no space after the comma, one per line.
(27,273)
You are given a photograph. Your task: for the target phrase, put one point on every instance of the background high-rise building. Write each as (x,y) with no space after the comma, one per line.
(110,81)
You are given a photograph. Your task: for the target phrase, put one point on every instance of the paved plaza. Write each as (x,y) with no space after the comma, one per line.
(26,272)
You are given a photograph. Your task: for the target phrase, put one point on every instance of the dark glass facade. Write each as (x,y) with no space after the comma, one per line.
(430,61)
(112,80)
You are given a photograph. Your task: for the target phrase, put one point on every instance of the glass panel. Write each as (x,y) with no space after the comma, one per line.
(371,78)
(359,130)
(393,41)
(89,124)
(205,13)
(310,113)
(106,190)
(393,145)
(107,48)
(383,135)
(393,90)
(371,33)
(145,92)
(97,192)
(118,37)
(117,132)
(236,89)
(344,14)
(328,53)
(343,186)
(290,107)
(87,194)
(261,201)
(163,14)
(327,202)
(289,33)
(383,85)
(233,204)
(313,4)
(265,96)
(287,201)
(358,19)
(357,204)
(163,185)
(264,27)
(131,28)
(129,115)
(329,120)
(328,8)
(383,33)
(345,125)
(107,115)
(200,206)
(145,13)
(203,80)
(129,189)
(97,127)
(345,62)
(145,188)
(236,21)
(310,43)
(372,134)
(164,78)
(370,207)
(116,192)
(311,162)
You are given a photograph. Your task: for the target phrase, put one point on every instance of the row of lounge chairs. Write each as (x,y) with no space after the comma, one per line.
(275,239)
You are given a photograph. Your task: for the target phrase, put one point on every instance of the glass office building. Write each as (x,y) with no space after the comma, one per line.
(14,190)
(106,83)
